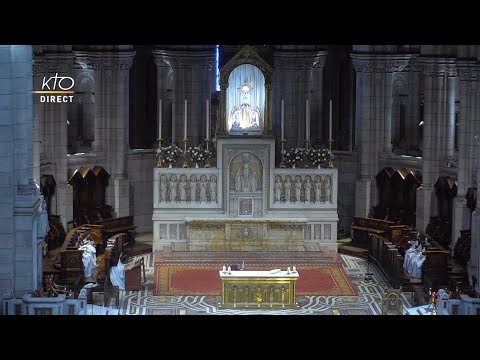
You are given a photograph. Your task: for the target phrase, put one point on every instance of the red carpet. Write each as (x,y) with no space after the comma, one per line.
(322,280)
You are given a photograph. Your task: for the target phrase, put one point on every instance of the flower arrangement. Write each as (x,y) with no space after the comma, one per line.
(198,154)
(320,157)
(295,156)
(170,154)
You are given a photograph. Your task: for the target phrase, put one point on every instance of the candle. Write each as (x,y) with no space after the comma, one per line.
(208,120)
(185,122)
(330,122)
(282,123)
(229,269)
(307,120)
(288,269)
(159,118)
(294,268)
(224,268)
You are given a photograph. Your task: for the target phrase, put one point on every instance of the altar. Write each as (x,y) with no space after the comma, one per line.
(274,289)
(251,194)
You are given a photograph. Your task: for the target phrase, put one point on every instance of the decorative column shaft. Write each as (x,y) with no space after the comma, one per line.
(112,110)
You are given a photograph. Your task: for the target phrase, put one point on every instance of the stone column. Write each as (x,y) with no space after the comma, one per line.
(316,113)
(38,118)
(450,126)
(112,119)
(461,214)
(56,138)
(365,68)
(387,139)
(425,192)
(413,108)
(474,263)
(20,239)
(223,109)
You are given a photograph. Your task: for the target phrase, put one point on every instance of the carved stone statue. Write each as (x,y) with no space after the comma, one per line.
(298,188)
(203,188)
(288,187)
(193,188)
(246,179)
(212,187)
(318,189)
(328,189)
(182,187)
(308,188)
(163,188)
(173,188)
(278,189)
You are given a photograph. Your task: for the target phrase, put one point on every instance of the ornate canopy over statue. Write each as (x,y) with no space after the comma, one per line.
(245,83)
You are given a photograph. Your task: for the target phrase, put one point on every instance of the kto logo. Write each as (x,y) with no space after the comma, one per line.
(59,85)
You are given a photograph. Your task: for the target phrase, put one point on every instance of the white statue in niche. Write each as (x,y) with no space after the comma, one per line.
(288,187)
(245,117)
(278,189)
(193,188)
(308,188)
(203,188)
(173,188)
(298,188)
(328,189)
(182,187)
(246,179)
(318,188)
(163,188)
(212,187)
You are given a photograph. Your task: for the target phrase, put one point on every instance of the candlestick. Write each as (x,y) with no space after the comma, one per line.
(229,270)
(207,161)
(307,120)
(185,162)
(208,119)
(294,268)
(330,122)
(282,122)
(160,118)
(224,268)
(160,158)
(282,163)
(185,122)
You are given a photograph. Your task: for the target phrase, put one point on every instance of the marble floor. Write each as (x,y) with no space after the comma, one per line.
(368,301)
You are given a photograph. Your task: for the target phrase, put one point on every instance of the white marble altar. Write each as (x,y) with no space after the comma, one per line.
(245,203)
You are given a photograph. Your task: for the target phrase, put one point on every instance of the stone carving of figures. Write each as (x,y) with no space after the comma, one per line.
(163,188)
(308,188)
(173,188)
(182,187)
(298,188)
(328,189)
(203,188)
(193,188)
(212,184)
(288,187)
(245,179)
(318,189)
(278,188)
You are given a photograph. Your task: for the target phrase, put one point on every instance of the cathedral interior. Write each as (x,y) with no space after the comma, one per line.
(130,175)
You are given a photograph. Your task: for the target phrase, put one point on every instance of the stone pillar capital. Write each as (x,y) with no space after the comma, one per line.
(105,61)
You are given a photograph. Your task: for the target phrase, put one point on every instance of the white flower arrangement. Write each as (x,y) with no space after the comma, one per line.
(295,156)
(198,154)
(320,157)
(170,154)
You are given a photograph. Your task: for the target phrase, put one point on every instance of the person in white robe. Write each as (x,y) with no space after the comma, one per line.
(117,274)
(89,257)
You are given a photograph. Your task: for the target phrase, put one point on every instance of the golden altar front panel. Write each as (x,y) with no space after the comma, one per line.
(258,289)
